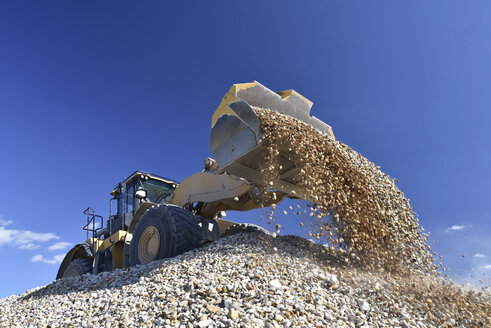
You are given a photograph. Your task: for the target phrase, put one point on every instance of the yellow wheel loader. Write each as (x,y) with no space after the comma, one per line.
(152,217)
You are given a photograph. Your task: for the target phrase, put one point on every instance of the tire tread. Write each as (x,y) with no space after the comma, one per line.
(84,264)
(188,232)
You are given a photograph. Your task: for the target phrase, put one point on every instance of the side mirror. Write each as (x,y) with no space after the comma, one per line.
(141,194)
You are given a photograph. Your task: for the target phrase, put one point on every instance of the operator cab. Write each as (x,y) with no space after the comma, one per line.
(125,202)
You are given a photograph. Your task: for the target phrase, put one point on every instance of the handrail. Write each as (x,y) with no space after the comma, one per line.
(92,224)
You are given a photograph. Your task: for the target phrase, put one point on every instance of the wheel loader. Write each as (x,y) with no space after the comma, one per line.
(152,217)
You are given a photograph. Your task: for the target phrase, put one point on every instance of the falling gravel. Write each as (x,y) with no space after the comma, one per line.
(246,280)
(356,208)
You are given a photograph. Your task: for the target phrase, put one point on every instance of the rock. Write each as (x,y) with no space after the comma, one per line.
(364,306)
(232,314)
(331,280)
(275,284)
(212,308)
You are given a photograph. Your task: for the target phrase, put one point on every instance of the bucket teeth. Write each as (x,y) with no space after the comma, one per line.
(296,100)
(288,102)
(256,94)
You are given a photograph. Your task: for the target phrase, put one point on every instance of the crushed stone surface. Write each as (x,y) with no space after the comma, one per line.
(247,280)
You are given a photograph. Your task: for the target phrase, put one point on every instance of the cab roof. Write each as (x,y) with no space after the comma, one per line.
(137,174)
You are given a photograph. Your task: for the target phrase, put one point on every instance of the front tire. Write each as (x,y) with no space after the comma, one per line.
(164,231)
(78,267)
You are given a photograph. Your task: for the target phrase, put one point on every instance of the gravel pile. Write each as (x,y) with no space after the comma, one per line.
(245,280)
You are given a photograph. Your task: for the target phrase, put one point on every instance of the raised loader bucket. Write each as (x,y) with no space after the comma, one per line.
(235,133)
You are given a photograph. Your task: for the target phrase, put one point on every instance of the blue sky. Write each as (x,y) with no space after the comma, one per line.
(91,91)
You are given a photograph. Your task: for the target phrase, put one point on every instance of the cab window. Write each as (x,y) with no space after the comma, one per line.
(128,204)
(157,191)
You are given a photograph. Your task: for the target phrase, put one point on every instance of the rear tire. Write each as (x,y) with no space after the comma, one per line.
(164,231)
(78,267)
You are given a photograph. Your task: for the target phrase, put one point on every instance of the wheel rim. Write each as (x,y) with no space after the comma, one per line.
(149,245)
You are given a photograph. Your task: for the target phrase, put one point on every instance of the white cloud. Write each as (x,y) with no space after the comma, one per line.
(37,258)
(58,245)
(59,257)
(24,239)
(5,222)
(54,260)
(40,258)
(455,228)
(29,246)
(485,267)
(479,255)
